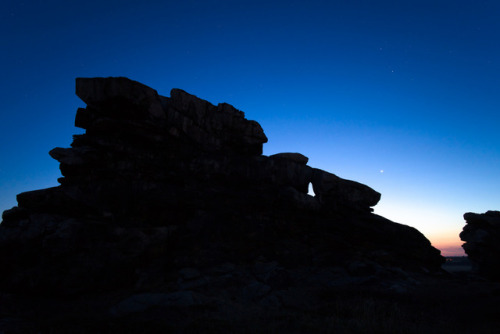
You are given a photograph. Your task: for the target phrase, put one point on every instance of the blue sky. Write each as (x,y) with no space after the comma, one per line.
(410,88)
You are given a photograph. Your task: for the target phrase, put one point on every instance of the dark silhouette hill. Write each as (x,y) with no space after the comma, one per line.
(167,203)
(159,184)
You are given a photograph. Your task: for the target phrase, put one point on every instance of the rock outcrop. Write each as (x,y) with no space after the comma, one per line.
(482,242)
(171,197)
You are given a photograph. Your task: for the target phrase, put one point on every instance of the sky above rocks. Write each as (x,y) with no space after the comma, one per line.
(399,95)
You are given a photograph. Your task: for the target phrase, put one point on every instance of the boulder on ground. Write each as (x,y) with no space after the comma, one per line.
(482,242)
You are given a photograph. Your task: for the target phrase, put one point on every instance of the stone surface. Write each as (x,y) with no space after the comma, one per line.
(165,195)
(222,127)
(143,302)
(120,97)
(295,157)
(482,242)
(338,193)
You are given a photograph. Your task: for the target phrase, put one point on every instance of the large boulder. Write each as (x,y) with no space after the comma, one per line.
(220,127)
(338,193)
(121,97)
(482,242)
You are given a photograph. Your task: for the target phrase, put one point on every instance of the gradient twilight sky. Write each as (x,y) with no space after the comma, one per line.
(401,95)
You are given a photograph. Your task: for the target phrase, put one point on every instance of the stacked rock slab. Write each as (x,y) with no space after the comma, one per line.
(482,242)
(159,184)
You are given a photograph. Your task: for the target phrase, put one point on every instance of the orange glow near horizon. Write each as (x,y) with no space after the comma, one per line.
(441,225)
(451,250)
(448,244)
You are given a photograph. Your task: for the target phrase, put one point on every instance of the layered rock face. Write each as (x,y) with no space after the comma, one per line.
(482,242)
(173,193)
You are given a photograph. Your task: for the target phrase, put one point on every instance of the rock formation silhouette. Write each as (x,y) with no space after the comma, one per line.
(482,236)
(173,195)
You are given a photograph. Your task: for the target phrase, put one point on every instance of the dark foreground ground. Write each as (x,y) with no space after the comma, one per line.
(458,302)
